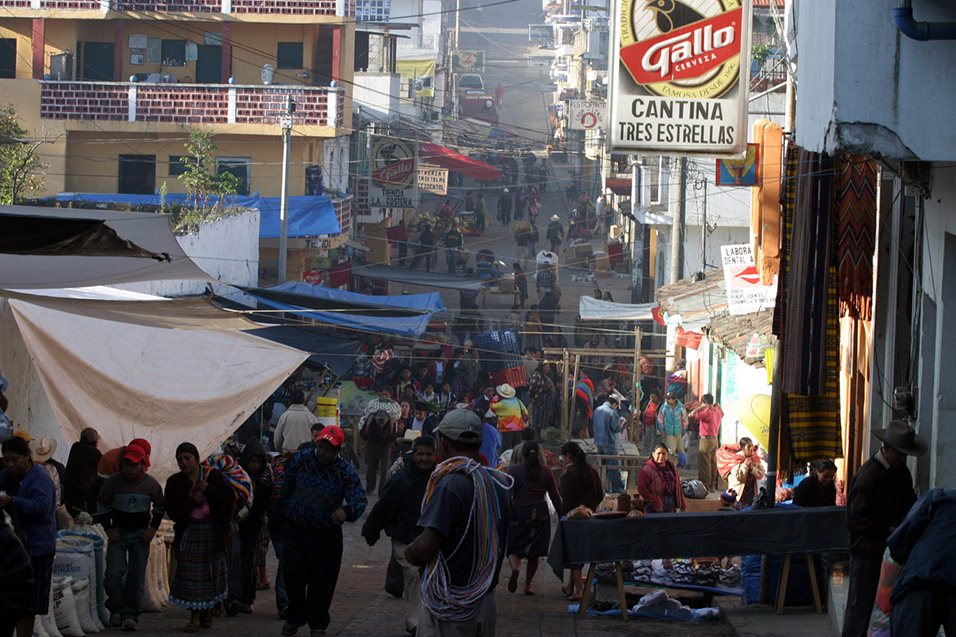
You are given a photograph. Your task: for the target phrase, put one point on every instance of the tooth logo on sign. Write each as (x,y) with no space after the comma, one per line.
(688,49)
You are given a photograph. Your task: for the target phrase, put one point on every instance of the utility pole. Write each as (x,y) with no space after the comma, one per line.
(703,230)
(285,121)
(637,235)
(677,226)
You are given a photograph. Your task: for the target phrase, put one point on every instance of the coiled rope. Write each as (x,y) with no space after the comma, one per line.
(439,595)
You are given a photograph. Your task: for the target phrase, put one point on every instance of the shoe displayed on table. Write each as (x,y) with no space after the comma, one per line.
(290,628)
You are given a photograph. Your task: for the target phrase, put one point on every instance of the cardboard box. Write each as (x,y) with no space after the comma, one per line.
(506,286)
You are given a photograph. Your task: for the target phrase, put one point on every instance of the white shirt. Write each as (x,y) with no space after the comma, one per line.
(294,428)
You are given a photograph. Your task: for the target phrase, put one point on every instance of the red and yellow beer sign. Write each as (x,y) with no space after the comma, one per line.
(677,81)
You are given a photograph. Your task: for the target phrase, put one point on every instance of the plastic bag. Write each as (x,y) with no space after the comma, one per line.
(681,460)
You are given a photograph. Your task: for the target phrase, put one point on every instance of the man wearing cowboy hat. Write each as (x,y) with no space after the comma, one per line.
(512,415)
(879,497)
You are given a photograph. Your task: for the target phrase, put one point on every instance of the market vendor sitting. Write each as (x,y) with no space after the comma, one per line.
(658,482)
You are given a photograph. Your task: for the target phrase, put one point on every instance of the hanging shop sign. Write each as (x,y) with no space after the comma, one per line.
(739,172)
(680,76)
(433,179)
(468,62)
(393,179)
(540,33)
(586,114)
(745,294)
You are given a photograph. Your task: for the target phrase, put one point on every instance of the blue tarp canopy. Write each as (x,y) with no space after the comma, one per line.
(402,326)
(308,216)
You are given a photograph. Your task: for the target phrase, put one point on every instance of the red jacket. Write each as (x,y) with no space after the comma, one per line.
(651,487)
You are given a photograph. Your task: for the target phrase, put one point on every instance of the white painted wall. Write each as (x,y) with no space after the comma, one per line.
(370,91)
(335,163)
(865,87)
(227,249)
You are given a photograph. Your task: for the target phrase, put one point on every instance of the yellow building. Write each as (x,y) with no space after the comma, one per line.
(115,86)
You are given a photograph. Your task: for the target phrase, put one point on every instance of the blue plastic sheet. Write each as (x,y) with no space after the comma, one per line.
(309,216)
(403,326)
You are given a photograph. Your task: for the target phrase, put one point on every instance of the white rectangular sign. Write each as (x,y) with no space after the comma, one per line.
(586,114)
(745,294)
(680,77)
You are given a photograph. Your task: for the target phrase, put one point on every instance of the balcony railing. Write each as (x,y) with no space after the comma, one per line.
(340,8)
(189,103)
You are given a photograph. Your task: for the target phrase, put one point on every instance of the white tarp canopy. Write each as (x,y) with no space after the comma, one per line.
(127,381)
(125,306)
(591,309)
(149,231)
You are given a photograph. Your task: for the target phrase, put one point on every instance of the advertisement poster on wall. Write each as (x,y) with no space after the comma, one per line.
(680,74)
(393,178)
(745,294)
(586,114)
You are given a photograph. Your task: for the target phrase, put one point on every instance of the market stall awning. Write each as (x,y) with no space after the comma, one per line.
(335,352)
(124,306)
(423,306)
(695,301)
(313,297)
(453,160)
(396,274)
(309,216)
(591,309)
(50,236)
(620,187)
(126,254)
(701,306)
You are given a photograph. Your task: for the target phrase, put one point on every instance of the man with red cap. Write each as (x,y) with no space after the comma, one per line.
(319,493)
(131,509)
(112,460)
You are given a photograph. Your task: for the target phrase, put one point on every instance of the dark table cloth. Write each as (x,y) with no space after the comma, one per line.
(674,535)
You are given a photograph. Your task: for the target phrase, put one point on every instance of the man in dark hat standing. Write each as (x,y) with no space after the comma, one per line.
(879,497)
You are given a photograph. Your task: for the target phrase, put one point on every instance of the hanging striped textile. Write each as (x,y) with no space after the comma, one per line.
(855,191)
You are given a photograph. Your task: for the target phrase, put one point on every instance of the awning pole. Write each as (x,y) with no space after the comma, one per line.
(574,396)
(776,403)
(565,368)
(636,431)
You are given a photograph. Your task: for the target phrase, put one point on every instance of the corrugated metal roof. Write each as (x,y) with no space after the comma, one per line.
(702,307)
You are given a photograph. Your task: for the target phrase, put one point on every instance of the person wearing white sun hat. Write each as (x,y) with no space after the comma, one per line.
(512,415)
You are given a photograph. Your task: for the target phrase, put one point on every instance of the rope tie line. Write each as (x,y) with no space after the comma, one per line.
(439,595)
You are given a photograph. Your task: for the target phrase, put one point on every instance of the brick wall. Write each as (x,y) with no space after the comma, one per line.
(265,105)
(286,7)
(192,6)
(191,104)
(84,100)
(186,103)
(282,7)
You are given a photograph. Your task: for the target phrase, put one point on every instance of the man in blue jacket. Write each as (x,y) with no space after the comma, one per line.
(607,426)
(924,595)
(27,494)
(397,512)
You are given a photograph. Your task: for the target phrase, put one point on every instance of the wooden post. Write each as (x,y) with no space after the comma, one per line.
(636,423)
(570,406)
(565,364)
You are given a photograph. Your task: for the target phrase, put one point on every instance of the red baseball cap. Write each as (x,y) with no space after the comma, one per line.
(143,445)
(333,434)
(135,454)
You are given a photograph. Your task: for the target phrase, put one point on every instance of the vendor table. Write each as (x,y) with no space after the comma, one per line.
(688,535)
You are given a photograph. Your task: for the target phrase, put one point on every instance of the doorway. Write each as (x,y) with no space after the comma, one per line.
(209,64)
(96,61)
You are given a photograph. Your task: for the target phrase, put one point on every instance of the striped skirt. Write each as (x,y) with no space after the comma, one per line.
(200,580)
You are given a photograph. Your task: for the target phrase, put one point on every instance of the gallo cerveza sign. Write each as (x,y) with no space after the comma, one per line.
(680,76)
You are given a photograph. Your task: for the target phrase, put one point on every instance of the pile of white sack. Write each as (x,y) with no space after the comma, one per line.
(77,596)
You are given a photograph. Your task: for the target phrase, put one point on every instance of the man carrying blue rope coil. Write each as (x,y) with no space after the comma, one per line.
(465,517)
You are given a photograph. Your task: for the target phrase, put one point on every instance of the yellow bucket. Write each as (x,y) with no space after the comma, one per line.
(327,410)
